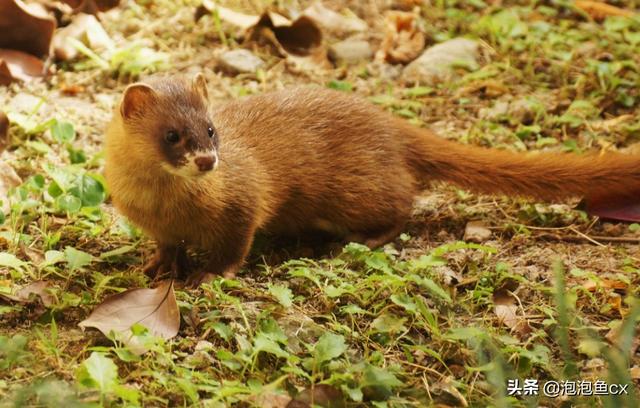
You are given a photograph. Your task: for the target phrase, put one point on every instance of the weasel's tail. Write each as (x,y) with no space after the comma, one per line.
(545,176)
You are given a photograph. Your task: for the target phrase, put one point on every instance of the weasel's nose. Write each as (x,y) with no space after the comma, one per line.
(205,163)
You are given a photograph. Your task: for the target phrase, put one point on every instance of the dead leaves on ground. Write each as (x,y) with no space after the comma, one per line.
(37,291)
(299,40)
(156,309)
(320,395)
(403,38)
(25,27)
(506,309)
(27,31)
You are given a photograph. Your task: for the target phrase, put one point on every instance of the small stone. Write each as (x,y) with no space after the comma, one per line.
(499,110)
(438,63)
(477,232)
(239,61)
(350,51)
(204,345)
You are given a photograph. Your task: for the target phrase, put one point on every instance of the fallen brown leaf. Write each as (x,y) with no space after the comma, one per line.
(240,20)
(25,27)
(299,37)
(506,309)
(403,40)
(445,393)
(299,41)
(156,309)
(322,395)
(19,65)
(599,10)
(27,294)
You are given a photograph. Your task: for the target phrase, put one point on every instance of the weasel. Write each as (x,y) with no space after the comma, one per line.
(299,160)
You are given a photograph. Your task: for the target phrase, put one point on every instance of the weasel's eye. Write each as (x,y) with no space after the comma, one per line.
(172,137)
(210,131)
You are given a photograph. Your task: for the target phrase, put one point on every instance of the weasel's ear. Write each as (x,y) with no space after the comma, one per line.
(136,98)
(200,85)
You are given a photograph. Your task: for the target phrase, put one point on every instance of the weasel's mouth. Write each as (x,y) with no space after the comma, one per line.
(206,162)
(194,164)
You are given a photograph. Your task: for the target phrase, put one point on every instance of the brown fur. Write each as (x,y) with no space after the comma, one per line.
(311,158)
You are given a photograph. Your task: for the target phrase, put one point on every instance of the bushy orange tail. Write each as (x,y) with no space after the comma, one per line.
(545,176)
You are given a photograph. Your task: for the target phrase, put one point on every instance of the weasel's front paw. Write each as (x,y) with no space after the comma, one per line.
(198,278)
(172,262)
(157,266)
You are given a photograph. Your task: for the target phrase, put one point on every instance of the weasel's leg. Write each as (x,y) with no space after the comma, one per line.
(168,259)
(375,239)
(226,261)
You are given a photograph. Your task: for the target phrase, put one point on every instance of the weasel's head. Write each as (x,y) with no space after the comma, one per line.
(168,119)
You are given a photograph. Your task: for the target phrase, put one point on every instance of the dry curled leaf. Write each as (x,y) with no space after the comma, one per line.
(599,10)
(19,65)
(403,39)
(240,20)
(506,309)
(26,30)
(156,309)
(299,41)
(25,27)
(299,37)
(30,292)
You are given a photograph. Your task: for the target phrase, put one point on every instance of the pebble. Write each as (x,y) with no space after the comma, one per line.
(438,63)
(477,232)
(239,61)
(350,51)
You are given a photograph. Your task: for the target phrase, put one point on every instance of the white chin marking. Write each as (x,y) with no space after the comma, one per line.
(190,168)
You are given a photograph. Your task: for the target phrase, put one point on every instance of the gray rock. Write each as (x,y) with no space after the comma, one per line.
(477,232)
(350,51)
(239,61)
(437,63)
